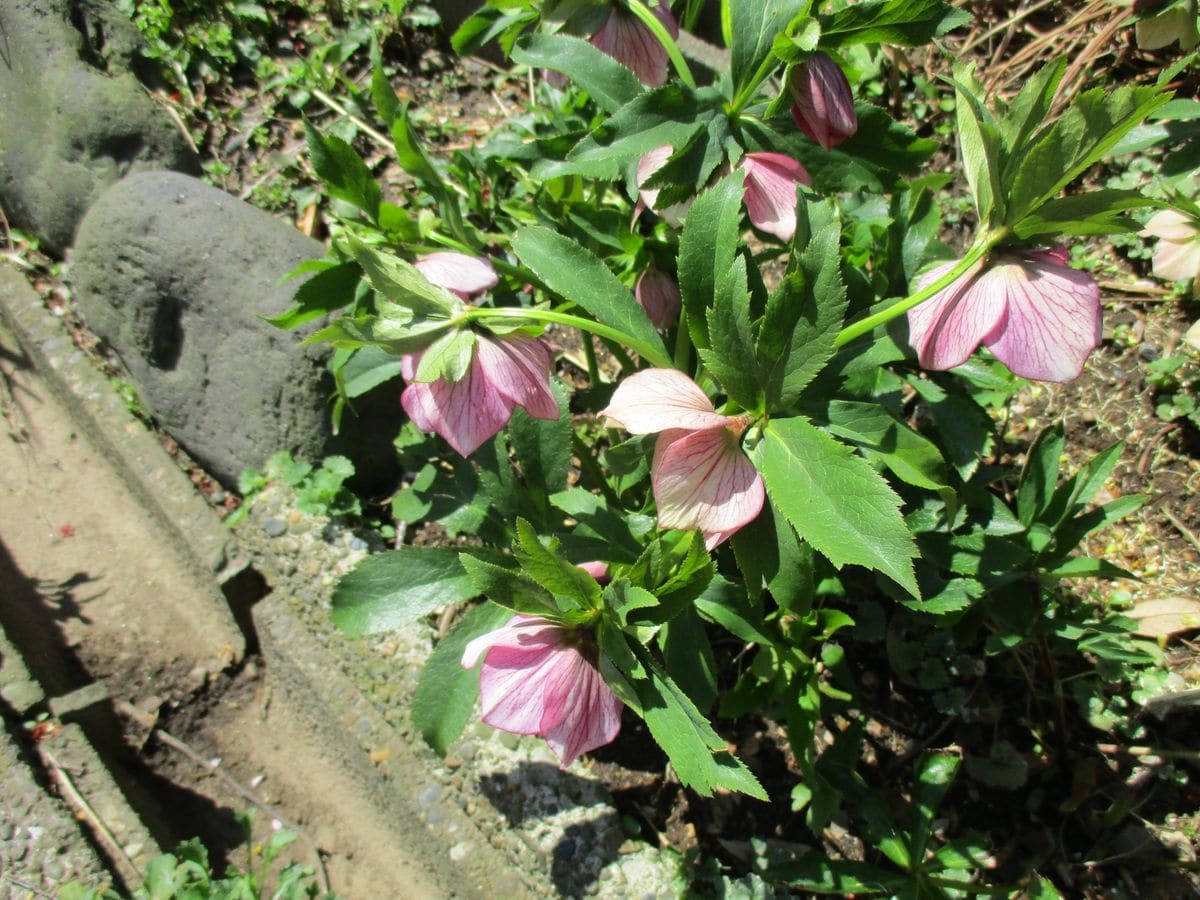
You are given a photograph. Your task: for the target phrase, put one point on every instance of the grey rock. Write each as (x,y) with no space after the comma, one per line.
(177,277)
(73,115)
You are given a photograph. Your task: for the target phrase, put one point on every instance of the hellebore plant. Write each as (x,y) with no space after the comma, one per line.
(1177,254)
(802,466)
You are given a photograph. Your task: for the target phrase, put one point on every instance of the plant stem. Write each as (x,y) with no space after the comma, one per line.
(683,343)
(765,68)
(646,352)
(589,352)
(651,21)
(974,255)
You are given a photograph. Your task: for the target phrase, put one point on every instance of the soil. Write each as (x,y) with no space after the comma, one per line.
(220,709)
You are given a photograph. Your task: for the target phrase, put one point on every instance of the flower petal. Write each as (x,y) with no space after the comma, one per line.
(703,480)
(1177,261)
(1171,225)
(629,42)
(771,181)
(518,368)
(458,272)
(520,631)
(512,684)
(946,328)
(656,399)
(658,293)
(582,712)
(466,412)
(824,103)
(1053,321)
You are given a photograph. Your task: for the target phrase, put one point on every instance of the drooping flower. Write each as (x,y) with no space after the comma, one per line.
(700,476)
(627,40)
(1177,255)
(658,293)
(770,198)
(823,105)
(504,371)
(539,677)
(1040,317)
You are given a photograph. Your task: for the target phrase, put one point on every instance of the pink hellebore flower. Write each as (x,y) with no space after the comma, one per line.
(537,679)
(504,372)
(824,105)
(700,476)
(1177,255)
(629,42)
(1040,317)
(771,181)
(658,293)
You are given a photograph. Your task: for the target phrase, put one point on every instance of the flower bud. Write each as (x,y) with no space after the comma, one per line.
(824,106)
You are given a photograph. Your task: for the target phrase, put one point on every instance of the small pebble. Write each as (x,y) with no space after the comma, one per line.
(274,528)
(459,852)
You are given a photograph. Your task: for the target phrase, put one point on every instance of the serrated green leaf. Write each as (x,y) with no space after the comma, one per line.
(1030,108)
(755,26)
(507,587)
(707,247)
(367,368)
(770,554)
(445,696)
(329,290)
(576,274)
(697,753)
(979,148)
(608,82)
(545,566)
(1039,476)
(447,358)
(345,175)
(726,604)
(409,152)
(1097,212)
(900,22)
(387,104)
(835,500)
(389,590)
(731,357)
(688,657)
(910,456)
(935,773)
(401,282)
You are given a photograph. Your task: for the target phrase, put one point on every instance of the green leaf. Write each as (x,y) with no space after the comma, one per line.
(755,25)
(697,753)
(410,154)
(669,115)
(1030,108)
(910,456)
(935,772)
(770,554)
(688,656)
(401,282)
(576,274)
(367,368)
(389,590)
(731,357)
(445,696)
(1087,130)
(979,148)
(1097,212)
(707,247)
(345,175)
(809,305)
(508,587)
(1039,474)
(596,520)
(384,97)
(542,447)
(545,566)
(902,22)
(835,500)
(447,358)
(724,603)
(821,875)
(327,291)
(608,82)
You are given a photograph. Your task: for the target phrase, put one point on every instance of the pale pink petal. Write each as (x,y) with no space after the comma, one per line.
(582,712)
(466,412)
(1176,261)
(824,104)
(1170,225)
(1053,322)
(946,328)
(703,480)
(657,399)
(629,42)
(458,272)
(512,684)
(658,293)
(771,181)
(595,568)
(521,632)
(518,368)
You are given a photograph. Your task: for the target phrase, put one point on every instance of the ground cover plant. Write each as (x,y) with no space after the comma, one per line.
(706,374)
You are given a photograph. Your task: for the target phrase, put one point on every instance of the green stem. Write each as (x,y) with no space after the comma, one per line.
(683,344)
(862,326)
(589,352)
(765,68)
(646,352)
(651,21)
